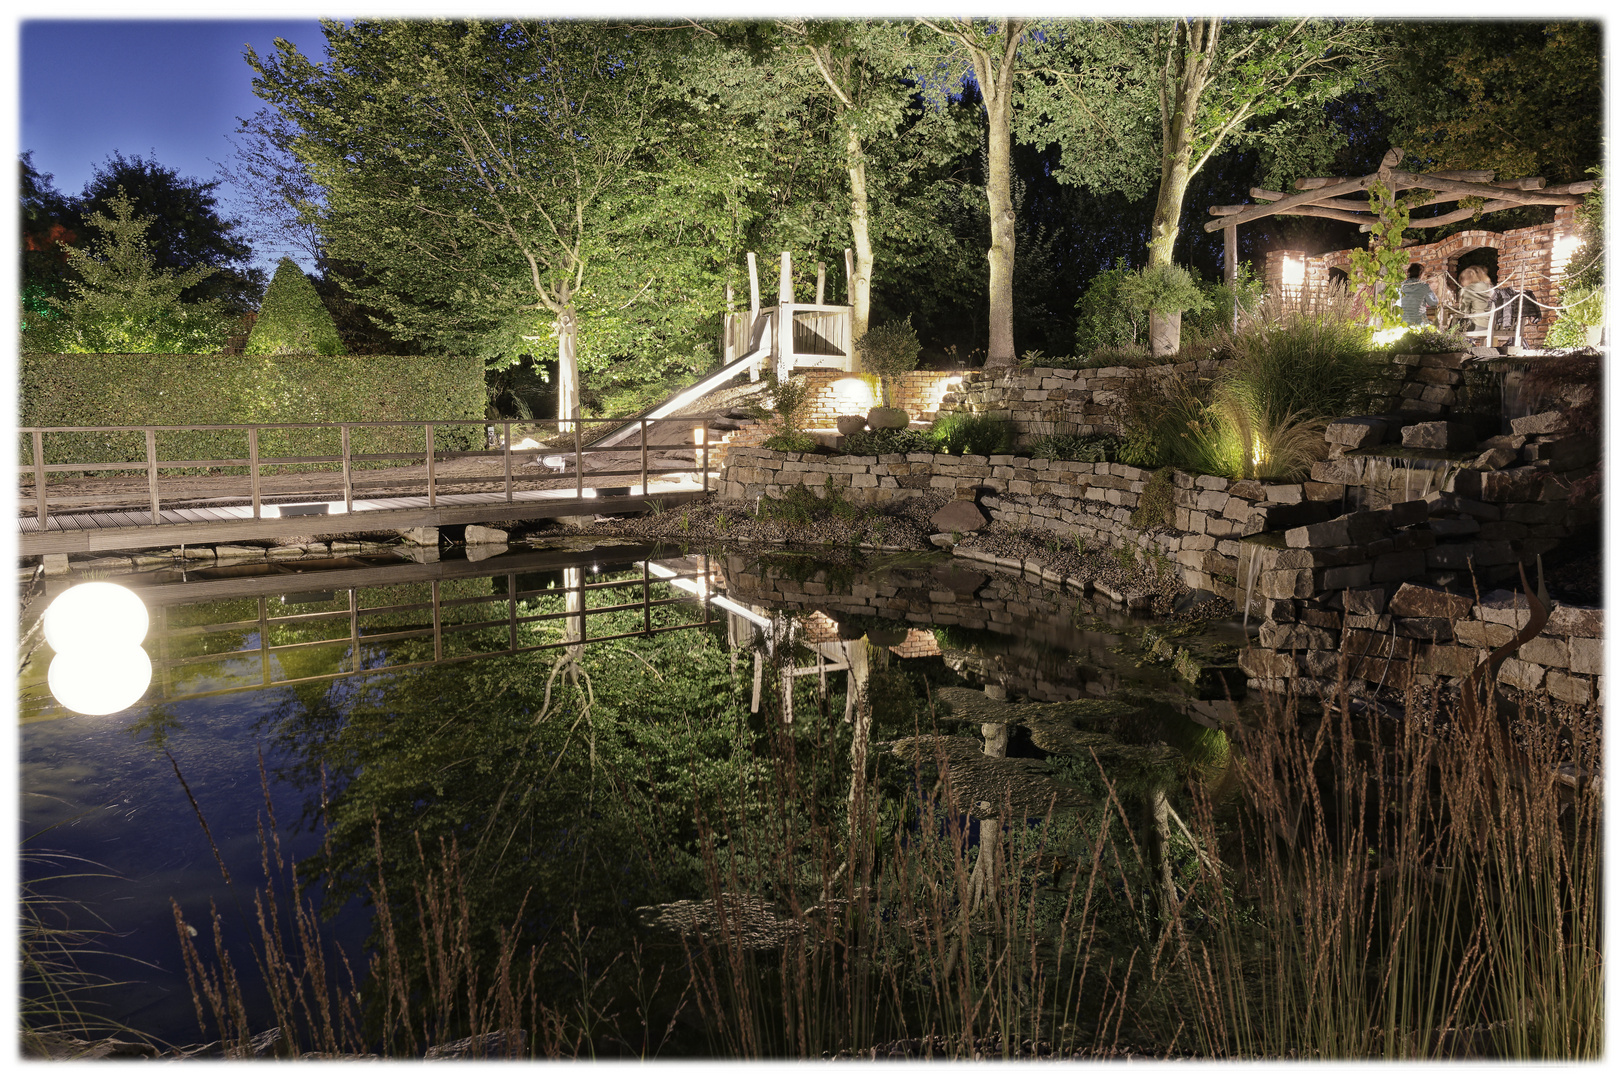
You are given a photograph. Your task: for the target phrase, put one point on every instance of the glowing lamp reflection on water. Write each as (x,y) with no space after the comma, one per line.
(96,629)
(93,616)
(102,681)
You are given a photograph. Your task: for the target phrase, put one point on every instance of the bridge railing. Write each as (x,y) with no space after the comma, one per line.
(232,468)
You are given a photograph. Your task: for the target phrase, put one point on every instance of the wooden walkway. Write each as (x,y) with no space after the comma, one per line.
(168,508)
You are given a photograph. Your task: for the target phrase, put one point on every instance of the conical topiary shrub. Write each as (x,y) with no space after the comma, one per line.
(292,318)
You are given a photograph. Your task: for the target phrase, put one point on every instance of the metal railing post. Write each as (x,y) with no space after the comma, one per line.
(428,441)
(507,459)
(705,471)
(349,483)
(512,612)
(152,472)
(642,427)
(253,467)
(39,477)
(578,476)
(647,620)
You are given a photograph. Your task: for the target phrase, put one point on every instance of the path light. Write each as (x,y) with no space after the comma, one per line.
(95,616)
(100,681)
(852,397)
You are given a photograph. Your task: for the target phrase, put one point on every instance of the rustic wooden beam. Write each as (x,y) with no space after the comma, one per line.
(1310,210)
(1346,187)
(1582,187)
(1436,182)
(1455,215)
(1526,183)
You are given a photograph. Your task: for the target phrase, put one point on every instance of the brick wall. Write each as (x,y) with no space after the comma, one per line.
(1526,259)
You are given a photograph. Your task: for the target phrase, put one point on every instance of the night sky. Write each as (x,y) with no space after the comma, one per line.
(166,89)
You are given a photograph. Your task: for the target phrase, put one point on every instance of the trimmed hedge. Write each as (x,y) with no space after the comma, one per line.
(292,319)
(106,390)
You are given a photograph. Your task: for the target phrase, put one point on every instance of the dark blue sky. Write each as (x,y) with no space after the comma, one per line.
(167,89)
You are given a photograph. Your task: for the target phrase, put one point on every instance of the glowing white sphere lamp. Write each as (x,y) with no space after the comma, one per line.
(101,681)
(93,616)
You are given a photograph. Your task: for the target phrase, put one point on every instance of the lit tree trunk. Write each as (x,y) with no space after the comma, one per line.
(1157,832)
(568,370)
(995,73)
(861,246)
(1183,79)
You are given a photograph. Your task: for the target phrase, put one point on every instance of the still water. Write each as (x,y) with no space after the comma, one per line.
(569,765)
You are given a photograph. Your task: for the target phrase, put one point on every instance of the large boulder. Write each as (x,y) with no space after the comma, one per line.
(959,516)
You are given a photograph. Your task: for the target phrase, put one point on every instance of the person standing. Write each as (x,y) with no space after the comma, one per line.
(1476,296)
(1414,297)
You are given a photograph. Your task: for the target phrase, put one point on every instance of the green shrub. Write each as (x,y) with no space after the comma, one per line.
(292,319)
(1584,308)
(790,442)
(1170,420)
(94,390)
(1216,320)
(1103,319)
(1074,447)
(888,441)
(1155,504)
(1163,290)
(887,351)
(1312,364)
(1429,339)
(968,433)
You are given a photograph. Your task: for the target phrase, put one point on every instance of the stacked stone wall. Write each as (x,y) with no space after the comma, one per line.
(1058,401)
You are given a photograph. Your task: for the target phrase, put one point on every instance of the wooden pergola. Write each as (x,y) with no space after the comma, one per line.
(1323,196)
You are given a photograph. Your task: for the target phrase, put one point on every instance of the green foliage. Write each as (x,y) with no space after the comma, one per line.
(1316,364)
(1155,504)
(888,350)
(790,442)
(1216,320)
(292,318)
(1055,447)
(801,506)
(1523,97)
(888,441)
(122,301)
(1104,321)
(1382,268)
(1163,290)
(108,390)
(1429,339)
(788,397)
(1585,307)
(982,434)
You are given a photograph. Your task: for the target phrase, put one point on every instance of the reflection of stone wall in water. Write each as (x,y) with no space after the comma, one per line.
(1040,652)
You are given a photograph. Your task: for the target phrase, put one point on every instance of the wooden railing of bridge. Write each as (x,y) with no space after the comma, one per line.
(795,335)
(250,478)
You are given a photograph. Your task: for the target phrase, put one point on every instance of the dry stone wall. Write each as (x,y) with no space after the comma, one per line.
(1401,501)
(1057,401)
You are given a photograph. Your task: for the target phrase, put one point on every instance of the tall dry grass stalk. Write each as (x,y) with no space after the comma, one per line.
(1399,891)
(1350,887)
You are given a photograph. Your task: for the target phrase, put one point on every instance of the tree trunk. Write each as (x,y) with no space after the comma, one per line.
(861,245)
(983,878)
(568,371)
(1189,63)
(1000,206)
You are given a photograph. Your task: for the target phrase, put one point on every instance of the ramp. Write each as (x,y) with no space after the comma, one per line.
(674,404)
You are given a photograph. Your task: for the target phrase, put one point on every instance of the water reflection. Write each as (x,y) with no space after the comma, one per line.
(565,751)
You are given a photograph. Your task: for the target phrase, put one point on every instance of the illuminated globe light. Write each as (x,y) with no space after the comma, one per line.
(93,617)
(100,681)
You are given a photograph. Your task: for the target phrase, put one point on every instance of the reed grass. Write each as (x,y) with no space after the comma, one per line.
(1344,886)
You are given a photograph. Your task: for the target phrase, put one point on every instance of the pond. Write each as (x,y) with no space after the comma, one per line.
(609,799)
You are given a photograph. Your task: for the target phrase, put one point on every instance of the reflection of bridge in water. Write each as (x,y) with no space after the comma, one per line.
(348,615)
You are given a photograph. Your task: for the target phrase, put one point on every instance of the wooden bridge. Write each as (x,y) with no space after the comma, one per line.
(214,483)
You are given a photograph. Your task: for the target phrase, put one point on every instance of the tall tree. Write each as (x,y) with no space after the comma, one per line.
(992,49)
(1522,98)
(123,301)
(488,176)
(187,229)
(1213,83)
(48,223)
